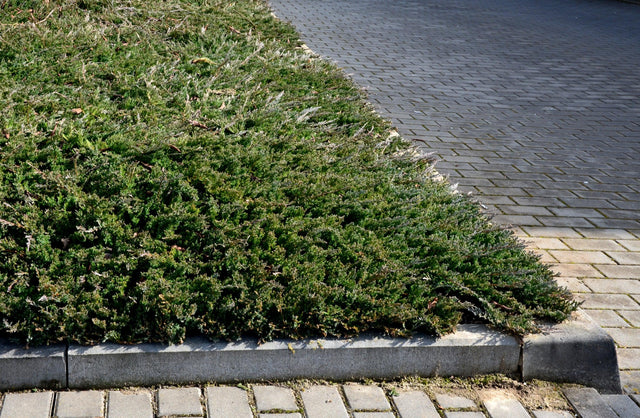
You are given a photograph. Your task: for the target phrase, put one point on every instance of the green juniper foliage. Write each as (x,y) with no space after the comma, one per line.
(180,167)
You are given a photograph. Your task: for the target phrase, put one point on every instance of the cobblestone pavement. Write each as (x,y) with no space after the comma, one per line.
(532,106)
(356,400)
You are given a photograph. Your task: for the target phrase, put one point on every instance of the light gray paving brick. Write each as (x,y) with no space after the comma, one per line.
(576,270)
(607,317)
(588,403)
(636,399)
(179,401)
(129,405)
(630,244)
(366,397)
(625,257)
(605,233)
(632,316)
(605,285)
(592,244)
(622,405)
(448,401)
(545,243)
(500,406)
(415,404)
(274,397)
(630,380)
(625,337)
(573,284)
(581,257)
(323,402)
(27,405)
(227,402)
(606,301)
(551,232)
(285,415)
(552,414)
(88,404)
(373,415)
(629,358)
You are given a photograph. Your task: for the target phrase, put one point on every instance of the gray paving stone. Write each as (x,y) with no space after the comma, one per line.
(552,232)
(27,405)
(624,286)
(448,401)
(42,367)
(625,337)
(632,316)
(463,414)
(274,397)
(323,402)
(608,301)
(373,415)
(227,402)
(625,257)
(415,404)
(607,318)
(620,271)
(499,406)
(593,244)
(606,233)
(87,404)
(366,397)
(129,405)
(179,401)
(286,415)
(584,257)
(629,358)
(630,380)
(552,414)
(588,403)
(622,405)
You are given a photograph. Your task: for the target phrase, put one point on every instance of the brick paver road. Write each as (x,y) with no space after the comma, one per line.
(321,400)
(532,105)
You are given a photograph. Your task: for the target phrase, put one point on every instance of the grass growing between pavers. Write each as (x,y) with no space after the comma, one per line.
(184,167)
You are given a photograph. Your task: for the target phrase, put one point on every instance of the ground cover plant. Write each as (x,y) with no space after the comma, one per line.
(183,167)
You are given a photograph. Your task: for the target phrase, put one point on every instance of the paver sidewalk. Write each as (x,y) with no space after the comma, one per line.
(534,107)
(322,400)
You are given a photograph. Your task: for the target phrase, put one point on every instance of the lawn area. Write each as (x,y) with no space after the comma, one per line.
(183,167)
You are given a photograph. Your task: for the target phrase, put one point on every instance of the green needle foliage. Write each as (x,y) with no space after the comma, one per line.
(180,167)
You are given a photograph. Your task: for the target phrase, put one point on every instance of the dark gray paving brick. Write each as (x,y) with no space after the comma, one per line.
(539,94)
(622,405)
(588,403)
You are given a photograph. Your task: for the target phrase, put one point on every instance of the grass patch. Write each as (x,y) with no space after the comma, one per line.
(182,167)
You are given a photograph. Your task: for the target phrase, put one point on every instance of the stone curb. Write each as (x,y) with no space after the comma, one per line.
(577,351)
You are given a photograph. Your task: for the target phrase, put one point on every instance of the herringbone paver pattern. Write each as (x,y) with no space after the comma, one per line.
(533,106)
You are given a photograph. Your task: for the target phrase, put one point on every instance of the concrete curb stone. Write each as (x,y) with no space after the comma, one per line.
(576,351)
(471,350)
(36,367)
